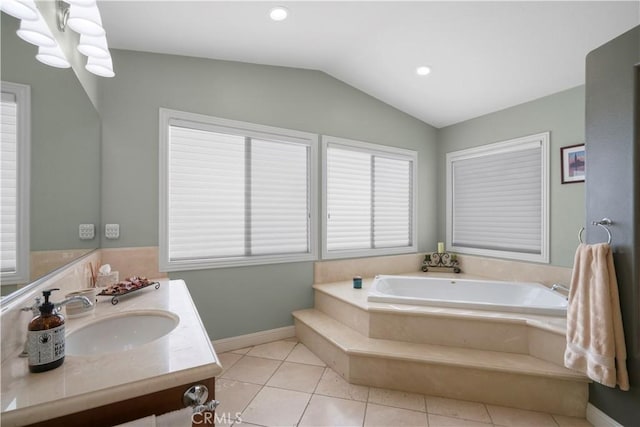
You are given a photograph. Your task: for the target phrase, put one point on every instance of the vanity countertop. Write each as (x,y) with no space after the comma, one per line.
(84,382)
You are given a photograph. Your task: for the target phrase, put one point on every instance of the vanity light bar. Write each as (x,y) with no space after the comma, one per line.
(21,9)
(82,16)
(33,29)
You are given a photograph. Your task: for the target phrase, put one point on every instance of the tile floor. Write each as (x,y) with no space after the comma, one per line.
(282,383)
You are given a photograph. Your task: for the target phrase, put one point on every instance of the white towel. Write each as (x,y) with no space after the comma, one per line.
(179,418)
(595,336)
(149,421)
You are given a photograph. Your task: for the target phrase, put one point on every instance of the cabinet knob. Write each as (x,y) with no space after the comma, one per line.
(195,395)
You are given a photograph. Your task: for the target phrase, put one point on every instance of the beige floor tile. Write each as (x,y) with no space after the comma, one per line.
(292,339)
(512,417)
(440,421)
(571,421)
(276,407)
(385,416)
(278,350)
(458,409)
(301,354)
(228,359)
(397,399)
(296,376)
(254,370)
(234,396)
(244,350)
(331,411)
(332,384)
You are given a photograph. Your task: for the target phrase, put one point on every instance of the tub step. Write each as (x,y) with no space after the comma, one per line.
(508,379)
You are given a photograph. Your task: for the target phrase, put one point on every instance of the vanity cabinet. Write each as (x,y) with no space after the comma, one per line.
(157,403)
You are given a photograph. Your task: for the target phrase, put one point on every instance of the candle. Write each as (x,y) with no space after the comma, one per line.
(440,247)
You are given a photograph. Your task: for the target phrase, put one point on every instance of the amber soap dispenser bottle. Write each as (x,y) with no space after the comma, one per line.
(46,337)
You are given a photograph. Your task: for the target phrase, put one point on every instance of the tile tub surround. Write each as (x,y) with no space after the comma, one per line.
(517,271)
(345,269)
(481,267)
(182,356)
(273,396)
(464,354)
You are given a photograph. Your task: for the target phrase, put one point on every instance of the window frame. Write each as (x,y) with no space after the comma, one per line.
(168,117)
(22,95)
(373,149)
(543,141)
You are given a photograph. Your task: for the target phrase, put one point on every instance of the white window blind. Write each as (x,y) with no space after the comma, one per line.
(14,176)
(369,199)
(497,198)
(9,184)
(233,195)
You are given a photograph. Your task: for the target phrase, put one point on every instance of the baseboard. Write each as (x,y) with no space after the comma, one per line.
(242,341)
(599,419)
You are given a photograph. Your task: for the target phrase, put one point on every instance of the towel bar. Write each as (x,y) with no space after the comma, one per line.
(604,222)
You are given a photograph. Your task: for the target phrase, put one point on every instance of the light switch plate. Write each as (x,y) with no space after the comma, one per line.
(87,231)
(112,231)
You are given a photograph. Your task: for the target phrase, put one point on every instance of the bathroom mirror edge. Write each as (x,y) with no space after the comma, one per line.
(65,160)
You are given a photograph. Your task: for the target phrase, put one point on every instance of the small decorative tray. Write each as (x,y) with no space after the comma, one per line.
(125,288)
(440,262)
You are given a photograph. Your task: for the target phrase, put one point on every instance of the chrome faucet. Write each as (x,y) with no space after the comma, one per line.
(557,286)
(34,309)
(85,301)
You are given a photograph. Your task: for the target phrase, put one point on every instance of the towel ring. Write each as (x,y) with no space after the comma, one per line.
(602,223)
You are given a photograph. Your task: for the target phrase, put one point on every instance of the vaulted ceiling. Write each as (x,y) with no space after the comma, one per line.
(484,56)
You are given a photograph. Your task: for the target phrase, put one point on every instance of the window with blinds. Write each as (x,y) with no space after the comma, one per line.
(234,193)
(14,183)
(369,199)
(497,199)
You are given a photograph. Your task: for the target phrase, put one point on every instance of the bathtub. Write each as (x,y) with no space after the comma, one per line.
(530,298)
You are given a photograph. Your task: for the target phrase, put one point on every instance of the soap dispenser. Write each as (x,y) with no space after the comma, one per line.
(45,339)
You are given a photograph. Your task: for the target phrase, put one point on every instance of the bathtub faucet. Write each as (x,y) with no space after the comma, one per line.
(557,286)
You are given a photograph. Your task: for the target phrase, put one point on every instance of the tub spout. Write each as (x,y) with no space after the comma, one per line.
(557,286)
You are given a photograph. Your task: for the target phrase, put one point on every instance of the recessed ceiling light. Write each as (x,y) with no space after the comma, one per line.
(423,70)
(279,13)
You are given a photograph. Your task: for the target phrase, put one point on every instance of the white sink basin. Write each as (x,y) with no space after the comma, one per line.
(120,332)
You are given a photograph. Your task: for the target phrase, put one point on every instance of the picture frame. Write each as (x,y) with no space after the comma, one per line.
(572,161)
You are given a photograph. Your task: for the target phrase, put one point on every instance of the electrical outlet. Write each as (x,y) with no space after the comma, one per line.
(87,231)
(112,231)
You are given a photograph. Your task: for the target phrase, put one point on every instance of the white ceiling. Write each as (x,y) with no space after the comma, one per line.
(485,56)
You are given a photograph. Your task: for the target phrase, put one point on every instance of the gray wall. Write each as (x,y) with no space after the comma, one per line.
(235,301)
(563,115)
(613,190)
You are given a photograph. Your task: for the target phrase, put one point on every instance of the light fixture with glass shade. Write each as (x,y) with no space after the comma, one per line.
(82,16)
(52,56)
(85,20)
(36,32)
(95,46)
(100,66)
(21,9)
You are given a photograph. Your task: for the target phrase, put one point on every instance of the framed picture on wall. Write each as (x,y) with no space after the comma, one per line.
(573,163)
